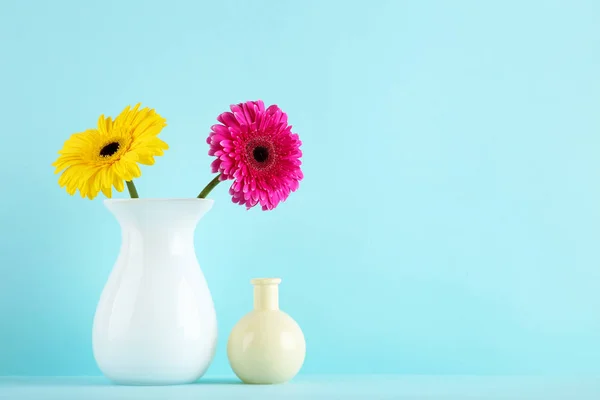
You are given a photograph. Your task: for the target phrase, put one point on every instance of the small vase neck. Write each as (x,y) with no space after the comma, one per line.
(266,293)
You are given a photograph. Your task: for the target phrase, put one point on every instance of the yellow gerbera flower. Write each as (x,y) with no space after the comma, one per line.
(98,159)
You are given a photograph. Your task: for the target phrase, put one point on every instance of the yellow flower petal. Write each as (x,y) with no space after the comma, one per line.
(146,159)
(118,183)
(107,191)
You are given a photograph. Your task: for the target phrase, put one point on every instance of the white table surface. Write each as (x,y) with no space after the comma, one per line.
(370,387)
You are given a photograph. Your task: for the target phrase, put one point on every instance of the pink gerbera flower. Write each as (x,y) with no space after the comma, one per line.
(256,148)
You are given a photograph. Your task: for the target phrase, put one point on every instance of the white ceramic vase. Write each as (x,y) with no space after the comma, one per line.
(155,323)
(266,346)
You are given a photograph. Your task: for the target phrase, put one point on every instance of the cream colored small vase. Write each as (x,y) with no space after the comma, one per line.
(266,346)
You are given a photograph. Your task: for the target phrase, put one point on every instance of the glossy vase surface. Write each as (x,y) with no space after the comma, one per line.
(155,323)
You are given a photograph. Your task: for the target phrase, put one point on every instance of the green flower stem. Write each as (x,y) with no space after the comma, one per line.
(211,185)
(132,190)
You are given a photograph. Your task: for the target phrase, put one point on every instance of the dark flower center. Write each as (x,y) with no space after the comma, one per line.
(260,154)
(109,149)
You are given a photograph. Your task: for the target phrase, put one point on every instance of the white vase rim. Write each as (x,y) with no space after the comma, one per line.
(158,199)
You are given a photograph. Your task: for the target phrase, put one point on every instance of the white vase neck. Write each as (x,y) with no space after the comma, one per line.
(266,293)
(160,232)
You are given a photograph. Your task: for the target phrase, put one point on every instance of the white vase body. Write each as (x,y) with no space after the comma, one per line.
(155,323)
(266,346)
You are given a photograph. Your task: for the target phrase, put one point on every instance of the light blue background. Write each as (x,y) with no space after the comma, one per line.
(449,220)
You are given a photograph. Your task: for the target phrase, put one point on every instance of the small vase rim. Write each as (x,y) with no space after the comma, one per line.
(265,281)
